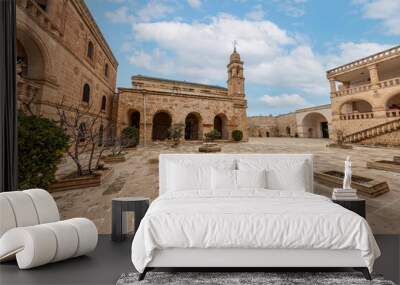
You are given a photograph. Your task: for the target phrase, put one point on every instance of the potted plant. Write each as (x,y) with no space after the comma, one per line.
(86,146)
(209,145)
(130,137)
(175,133)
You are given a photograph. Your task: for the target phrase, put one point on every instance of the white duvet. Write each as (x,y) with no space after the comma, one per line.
(250,219)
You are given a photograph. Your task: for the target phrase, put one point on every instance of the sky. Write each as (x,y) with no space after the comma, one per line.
(286,45)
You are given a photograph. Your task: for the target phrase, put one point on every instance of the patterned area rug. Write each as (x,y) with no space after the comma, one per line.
(232,278)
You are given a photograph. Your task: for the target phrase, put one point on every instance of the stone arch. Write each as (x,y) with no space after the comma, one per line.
(315,125)
(288,131)
(355,106)
(193,126)
(162,121)
(134,119)
(38,58)
(393,102)
(221,125)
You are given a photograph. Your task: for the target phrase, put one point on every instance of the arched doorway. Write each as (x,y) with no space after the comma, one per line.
(288,131)
(393,103)
(315,125)
(220,122)
(356,109)
(134,119)
(30,61)
(192,126)
(161,123)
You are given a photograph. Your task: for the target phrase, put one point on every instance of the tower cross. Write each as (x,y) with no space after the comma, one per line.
(235,45)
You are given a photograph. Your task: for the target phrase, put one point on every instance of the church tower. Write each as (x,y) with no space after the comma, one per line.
(235,75)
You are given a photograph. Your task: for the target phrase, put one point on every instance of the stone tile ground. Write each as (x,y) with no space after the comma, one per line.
(138,176)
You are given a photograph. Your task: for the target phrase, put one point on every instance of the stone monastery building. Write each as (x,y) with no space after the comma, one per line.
(153,105)
(365,105)
(62,57)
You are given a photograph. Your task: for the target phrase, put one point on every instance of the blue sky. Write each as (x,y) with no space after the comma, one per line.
(286,45)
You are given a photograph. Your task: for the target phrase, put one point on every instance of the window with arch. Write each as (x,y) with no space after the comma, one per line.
(103,103)
(86,93)
(106,70)
(90,50)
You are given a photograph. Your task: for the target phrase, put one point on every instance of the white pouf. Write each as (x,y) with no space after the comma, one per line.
(31,232)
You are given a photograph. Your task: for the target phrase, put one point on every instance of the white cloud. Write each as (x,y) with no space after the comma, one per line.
(194,3)
(120,16)
(199,51)
(155,9)
(284,100)
(350,51)
(273,57)
(292,8)
(387,11)
(257,13)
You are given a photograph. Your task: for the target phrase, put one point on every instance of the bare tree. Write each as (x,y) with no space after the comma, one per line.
(82,126)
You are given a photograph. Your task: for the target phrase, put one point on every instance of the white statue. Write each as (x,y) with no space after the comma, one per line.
(347,174)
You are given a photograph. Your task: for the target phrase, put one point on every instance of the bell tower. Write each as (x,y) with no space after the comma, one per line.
(235,75)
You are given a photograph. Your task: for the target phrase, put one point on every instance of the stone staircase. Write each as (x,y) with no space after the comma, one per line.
(372,132)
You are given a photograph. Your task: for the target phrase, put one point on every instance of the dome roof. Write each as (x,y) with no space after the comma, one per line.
(235,56)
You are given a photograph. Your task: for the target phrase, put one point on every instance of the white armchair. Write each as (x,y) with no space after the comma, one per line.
(31,230)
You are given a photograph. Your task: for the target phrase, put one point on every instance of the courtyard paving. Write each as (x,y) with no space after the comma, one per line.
(138,176)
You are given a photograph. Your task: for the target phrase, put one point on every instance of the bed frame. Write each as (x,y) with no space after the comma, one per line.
(240,259)
(245,259)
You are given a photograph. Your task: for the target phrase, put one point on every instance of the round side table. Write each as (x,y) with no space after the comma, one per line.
(138,205)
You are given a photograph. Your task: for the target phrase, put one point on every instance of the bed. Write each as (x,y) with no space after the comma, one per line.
(247,210)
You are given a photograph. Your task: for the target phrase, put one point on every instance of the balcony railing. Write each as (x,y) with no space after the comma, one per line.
(389,82)
(353,90)
(363,88)
(392,113)
(357,116)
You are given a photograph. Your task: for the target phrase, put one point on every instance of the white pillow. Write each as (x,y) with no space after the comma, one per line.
(251,178)
(282,174)
(186,178)
(223,179)
(292,177)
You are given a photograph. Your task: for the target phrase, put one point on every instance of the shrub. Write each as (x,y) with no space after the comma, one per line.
(237,135)
(130,137)
(41,145)
(175,133)
(213,135)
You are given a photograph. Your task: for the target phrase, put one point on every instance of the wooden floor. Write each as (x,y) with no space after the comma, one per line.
(110,260)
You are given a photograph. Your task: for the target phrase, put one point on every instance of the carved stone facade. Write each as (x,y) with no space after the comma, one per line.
(314,122)
(62,56)
(365,96)
(154,105)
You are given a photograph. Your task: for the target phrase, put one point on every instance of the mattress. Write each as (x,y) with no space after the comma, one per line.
(250,219)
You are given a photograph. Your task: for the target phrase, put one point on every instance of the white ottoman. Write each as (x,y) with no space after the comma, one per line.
(33,243)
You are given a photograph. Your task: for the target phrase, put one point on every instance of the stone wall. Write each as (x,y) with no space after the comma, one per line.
(262,126)
(286,124)
(178,106)
(54,64)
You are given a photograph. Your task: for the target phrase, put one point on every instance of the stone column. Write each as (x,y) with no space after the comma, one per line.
(333,86)
(373,74)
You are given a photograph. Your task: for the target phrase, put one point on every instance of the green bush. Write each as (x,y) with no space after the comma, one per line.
(130,137)
(213,135)
(41,145)
(237,135)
